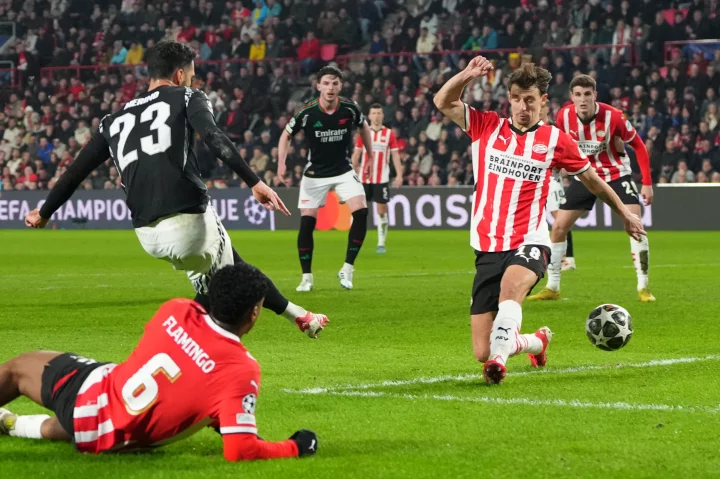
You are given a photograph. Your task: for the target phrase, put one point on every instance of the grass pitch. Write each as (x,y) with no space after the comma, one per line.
(391,387)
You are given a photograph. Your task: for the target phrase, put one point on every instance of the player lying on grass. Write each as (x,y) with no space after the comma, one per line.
(151,141)
(188,371)
(513,161)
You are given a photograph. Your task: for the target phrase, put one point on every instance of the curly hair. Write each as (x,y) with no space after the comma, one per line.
(529,75)
(167,57)
(234,292)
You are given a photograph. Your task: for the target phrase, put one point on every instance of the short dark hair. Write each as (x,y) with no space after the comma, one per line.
(583,81)
(234,290)
(330,70)
(375,106)
(529,75)
(167,57)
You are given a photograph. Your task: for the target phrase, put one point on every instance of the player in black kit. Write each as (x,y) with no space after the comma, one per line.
(328,123)
(151,141)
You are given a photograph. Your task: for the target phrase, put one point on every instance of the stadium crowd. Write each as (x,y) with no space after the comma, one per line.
(256,63)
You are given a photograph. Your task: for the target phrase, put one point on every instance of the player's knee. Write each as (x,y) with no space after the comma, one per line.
(514,290)
(308,223)
(360,215)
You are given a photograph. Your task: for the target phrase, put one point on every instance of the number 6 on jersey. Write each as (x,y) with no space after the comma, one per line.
(141,390)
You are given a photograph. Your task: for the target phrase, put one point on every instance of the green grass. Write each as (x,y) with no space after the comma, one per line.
(91,293)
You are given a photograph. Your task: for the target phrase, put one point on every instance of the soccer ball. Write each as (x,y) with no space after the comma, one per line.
(609,327)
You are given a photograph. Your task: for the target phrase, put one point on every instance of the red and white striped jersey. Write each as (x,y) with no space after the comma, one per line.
(186,373)
(601,139)
(383,142)
(513,171)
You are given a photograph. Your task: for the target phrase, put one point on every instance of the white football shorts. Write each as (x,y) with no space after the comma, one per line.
(195,243)
(313,191)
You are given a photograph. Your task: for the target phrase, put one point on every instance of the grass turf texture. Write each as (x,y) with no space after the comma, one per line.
(91,293)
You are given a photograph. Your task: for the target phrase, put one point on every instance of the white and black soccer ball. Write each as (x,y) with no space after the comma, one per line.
(609,327)
(254,211)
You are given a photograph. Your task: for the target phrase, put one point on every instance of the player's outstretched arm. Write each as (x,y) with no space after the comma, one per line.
(202,121)
(633,225)
(95,152)
(249,447)
(448,98)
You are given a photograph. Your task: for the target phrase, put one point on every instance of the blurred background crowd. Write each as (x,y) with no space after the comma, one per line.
(70,62)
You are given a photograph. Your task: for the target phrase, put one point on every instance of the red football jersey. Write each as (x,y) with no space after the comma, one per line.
(597,138)
(383,142)
(186,373)
(513,171)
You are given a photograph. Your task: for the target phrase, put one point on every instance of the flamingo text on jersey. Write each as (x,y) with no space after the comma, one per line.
(514,166)
(189,345)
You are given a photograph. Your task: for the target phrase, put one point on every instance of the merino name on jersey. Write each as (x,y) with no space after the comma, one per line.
(189,345)
(141,100)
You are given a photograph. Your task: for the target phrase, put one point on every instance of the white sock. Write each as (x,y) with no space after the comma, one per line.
(382,229)
(307,276)
(293,311)
(29,426)
(348,267)
(555,266)
(528,343)
(641,258)
(506,328)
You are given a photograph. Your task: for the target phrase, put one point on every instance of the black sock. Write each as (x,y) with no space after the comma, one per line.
(274,300)
(570,252)
(305,242)
(356,236)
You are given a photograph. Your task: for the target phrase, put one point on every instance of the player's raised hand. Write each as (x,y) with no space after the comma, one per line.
(634,227)
(479,66)
(34,220)
(647,194)
(306,441)
(267,197)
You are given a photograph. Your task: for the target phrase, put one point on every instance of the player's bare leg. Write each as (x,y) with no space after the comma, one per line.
(382,211)
(305,245)
(505,337)
(640,251)
(564,220)
(22,376)
(481,325)
(356,237)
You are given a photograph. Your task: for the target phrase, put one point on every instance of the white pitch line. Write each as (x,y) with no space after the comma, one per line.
(533,402)
(473,377)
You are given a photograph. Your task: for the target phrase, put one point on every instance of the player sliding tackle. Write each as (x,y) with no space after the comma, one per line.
(151,141)
(513,161)
(188,371)
(601,131)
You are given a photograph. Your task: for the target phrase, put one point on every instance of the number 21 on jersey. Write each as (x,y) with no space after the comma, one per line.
(158,113)
(142,389)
